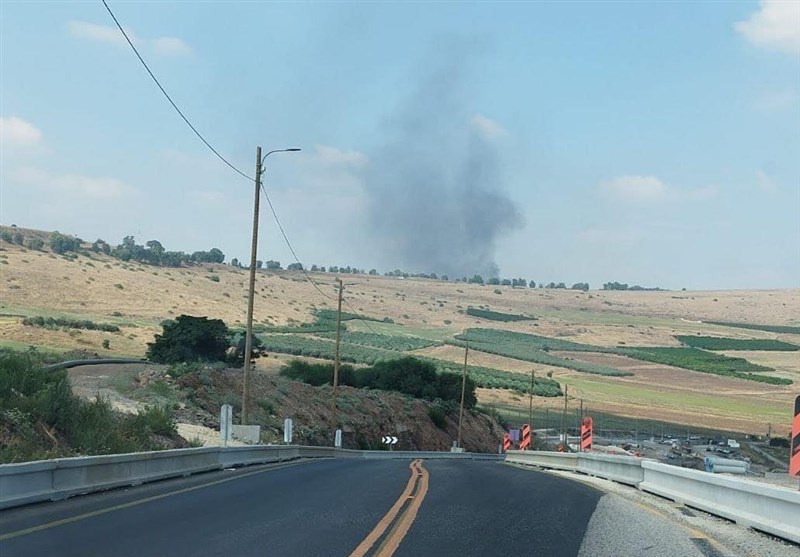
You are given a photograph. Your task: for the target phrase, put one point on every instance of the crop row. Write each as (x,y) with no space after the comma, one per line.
(388,342)
(719,343)
(304,345)
(534,348)
(514,345)
(769,328)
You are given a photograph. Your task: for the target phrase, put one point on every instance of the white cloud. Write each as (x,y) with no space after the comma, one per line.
(73,185)
(643,189)
(16,132)
(102,33)
(170,45)
(488,127)
(776,25)
(331,155)
(112,35)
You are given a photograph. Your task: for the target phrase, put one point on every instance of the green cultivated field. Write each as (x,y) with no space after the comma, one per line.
(706,362)
(309,346)
(784,329)
(387,342)
(532,348)
(718,343)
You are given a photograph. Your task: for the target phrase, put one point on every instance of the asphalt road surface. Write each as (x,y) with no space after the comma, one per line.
(351,507)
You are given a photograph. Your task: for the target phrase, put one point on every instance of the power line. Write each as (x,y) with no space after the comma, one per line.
(358,316)
(289,244)
(213,150)
(175,106)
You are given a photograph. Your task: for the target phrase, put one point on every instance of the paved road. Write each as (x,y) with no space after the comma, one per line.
(336,507)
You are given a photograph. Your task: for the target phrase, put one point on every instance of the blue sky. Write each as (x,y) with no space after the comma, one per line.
(649,143)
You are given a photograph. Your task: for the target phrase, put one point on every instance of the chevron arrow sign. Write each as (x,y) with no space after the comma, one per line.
(389,440)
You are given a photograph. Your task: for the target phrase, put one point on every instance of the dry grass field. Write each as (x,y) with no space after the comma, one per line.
(138,297)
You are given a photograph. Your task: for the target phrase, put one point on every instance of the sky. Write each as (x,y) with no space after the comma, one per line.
(653,143)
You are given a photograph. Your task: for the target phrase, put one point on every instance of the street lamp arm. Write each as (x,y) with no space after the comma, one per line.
(289,150)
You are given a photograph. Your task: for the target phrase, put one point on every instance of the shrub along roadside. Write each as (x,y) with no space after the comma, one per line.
(405,375)
(41,418)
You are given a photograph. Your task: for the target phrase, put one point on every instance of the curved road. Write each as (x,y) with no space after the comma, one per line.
(347,507)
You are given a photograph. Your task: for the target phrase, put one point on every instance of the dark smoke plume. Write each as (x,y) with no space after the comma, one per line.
(435,188)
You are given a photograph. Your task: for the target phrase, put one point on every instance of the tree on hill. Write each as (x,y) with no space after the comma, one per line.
(295,267)
(61,243)
(188,339)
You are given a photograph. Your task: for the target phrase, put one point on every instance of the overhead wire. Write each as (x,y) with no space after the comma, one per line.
(213,150)
(175,106)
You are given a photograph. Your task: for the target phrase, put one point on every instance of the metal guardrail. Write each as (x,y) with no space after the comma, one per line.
(774,510)
(51,480)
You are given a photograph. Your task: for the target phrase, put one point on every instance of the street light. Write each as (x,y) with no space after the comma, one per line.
(248,342)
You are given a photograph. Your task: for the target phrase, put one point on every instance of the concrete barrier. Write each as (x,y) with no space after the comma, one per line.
(543,459)
(51,480)
(774,510)
(621,469)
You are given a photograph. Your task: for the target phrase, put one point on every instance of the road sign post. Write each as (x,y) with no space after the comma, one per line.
(225,422)
(337,441)
(287,431)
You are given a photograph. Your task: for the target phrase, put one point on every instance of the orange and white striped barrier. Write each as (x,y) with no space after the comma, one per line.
(506,442)
(794,452)
(525,443)
(586,434)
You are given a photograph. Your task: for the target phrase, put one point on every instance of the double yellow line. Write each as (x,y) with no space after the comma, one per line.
(394,525)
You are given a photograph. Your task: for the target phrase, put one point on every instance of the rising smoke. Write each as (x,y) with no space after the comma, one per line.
(436,201)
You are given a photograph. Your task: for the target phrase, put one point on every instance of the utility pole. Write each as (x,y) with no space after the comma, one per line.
(248,339)
(463,390)
(530,401)
(336,354)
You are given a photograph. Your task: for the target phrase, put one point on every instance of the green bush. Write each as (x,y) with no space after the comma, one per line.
(35,243)
(411,376)
(59,322)
(61,243)
(437,416)
(496,315)
(188,339)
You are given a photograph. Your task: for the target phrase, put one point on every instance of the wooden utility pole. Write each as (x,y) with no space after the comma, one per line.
(463,390)
(336,355)
(248,339)
(530,401)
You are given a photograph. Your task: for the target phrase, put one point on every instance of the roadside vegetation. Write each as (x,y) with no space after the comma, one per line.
(719,343)
(410,376)
(41,418)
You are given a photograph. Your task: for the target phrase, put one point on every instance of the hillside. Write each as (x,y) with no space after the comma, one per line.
(137,297)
